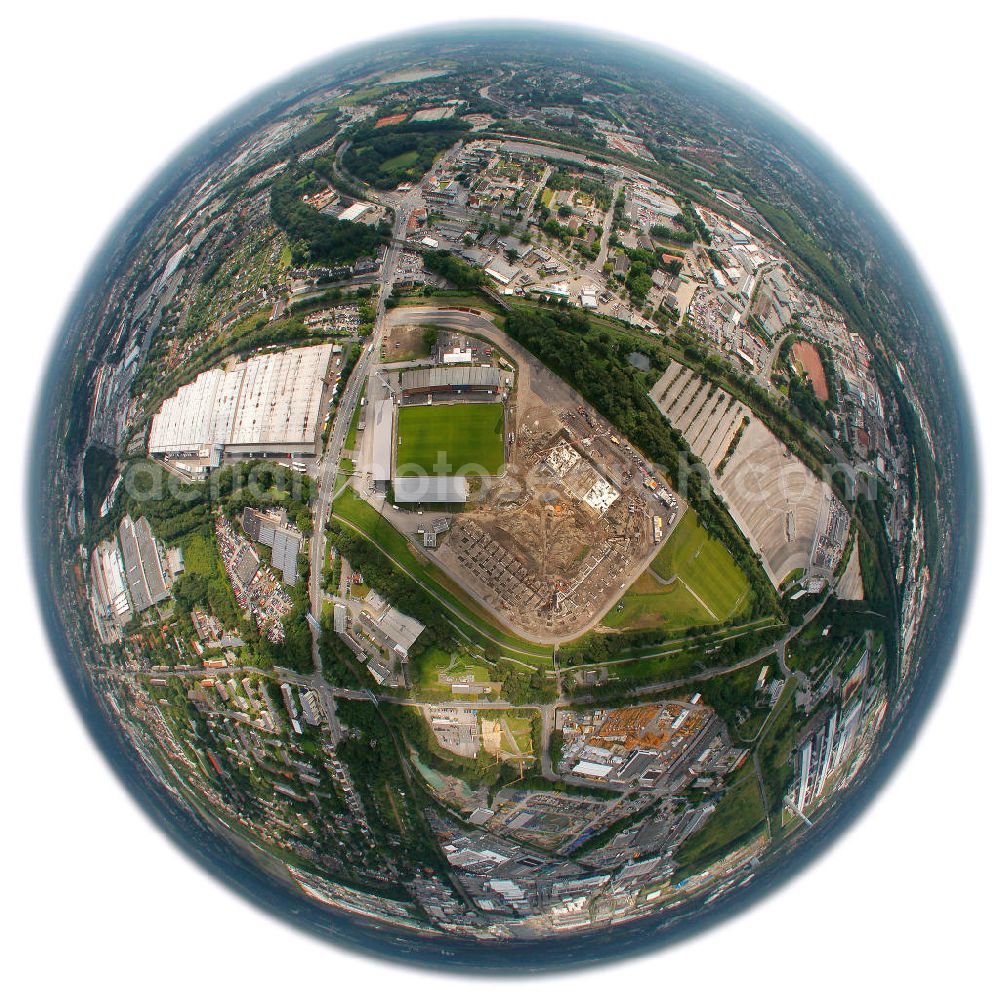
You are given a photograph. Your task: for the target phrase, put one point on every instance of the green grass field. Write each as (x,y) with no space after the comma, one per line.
(406,159)
(649,603)
(739,815)
(705,566)
(448,438)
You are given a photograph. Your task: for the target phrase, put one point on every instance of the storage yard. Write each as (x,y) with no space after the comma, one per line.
(647,746)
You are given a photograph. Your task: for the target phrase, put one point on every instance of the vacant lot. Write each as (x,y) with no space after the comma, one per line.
(704,566)
(407,343)
(809,360)
(449,439)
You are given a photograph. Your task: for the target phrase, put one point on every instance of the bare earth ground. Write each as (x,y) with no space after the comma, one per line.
(411,344)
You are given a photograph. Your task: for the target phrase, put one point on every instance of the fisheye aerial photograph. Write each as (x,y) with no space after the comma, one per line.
(503,499)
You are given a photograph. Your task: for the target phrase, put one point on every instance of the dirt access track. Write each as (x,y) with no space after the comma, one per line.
(534,552)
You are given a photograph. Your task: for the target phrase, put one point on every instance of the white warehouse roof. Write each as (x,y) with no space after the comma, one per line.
(269,399)
(354,212)
(591,770)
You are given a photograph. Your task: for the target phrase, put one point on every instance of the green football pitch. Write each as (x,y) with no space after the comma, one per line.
(449,439)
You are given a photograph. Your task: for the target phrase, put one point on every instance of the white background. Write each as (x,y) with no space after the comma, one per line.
(96,97)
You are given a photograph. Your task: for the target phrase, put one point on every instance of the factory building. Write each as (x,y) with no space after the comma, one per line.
(388,627)
(147,582)
(128,575)
(284,541)
(109,587)
(353,212)
(268,405)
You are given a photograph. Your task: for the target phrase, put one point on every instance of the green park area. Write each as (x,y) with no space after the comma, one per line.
(704,566)
(650,602)
(507,733)
(738,816)
(387,155)
(400,162)
(435,671)
(692,581)
(447,438)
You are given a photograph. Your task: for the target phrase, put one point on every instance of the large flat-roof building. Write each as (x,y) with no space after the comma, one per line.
(389,627)
(128,575)
(110,588)
(268,405)
(147,582)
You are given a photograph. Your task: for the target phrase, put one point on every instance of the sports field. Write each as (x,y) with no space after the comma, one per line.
(449,439)
(704,566)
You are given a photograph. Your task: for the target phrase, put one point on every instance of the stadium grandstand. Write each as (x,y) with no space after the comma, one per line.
(450,378)
(430,489)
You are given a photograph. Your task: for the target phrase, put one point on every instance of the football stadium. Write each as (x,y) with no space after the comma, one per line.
(449,425)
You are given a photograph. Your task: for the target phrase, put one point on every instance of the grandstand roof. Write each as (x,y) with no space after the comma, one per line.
(430,489)
(453,375)
(381,430)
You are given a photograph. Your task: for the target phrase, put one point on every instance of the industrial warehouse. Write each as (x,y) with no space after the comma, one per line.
(267,406)
(129,574)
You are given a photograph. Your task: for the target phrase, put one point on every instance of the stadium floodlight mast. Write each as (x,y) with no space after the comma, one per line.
(381,374)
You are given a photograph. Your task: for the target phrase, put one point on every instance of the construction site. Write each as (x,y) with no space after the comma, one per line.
(572,518)
(566,529)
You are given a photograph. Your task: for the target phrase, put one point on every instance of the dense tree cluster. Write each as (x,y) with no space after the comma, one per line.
(686,228)
(454,269)
(390,155)
(316,238)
